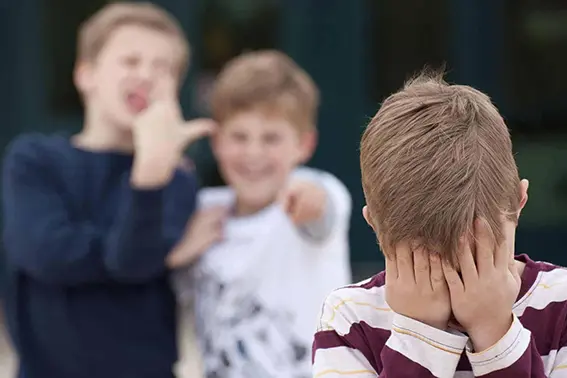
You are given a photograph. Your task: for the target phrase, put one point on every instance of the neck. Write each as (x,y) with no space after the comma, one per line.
(101,135)
(243,209)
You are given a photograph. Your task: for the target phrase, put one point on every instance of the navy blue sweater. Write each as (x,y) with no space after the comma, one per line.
(88,294)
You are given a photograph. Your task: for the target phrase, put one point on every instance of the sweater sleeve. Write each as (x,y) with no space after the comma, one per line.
(45,241)
(148,226)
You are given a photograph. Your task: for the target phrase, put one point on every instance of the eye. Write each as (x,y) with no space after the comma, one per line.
(238,137)
(131,61)
(271,138)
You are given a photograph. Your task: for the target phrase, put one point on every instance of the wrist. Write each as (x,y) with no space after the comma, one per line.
(442,326)
(484,336)
(183,253)
(179,258)
(173,261)
(446,339)
(151,173)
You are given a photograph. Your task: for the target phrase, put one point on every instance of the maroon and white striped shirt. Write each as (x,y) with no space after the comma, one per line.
(360,337)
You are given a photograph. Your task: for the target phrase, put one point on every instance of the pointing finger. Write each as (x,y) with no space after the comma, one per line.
(197,129)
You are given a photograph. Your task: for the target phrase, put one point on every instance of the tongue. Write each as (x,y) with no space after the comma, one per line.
(137,102)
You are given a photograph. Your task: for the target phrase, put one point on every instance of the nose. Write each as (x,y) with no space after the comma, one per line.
(255,150)
(145,71)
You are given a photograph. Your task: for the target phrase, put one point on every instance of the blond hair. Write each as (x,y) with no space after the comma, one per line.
(434,158)
(267,81)
(96,30)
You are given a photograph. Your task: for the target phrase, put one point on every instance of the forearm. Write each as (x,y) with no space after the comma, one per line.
(136,248)
(182,255)
(149,228)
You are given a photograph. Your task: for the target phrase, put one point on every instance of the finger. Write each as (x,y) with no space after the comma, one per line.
(286,200)
(297,208)
(305,209)
(484,243)
(404,261)
(421,267)
(504,254)
(317,199)
(212,215)
(215,228)
(217,209)
(466,262)
(282,199)
(217,235)
(166,90)
(452,278)
(209,240)
(217,213)
(197,129)
(436,272)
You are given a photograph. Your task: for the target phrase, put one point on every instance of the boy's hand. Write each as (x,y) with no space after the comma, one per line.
(482,300)
(416,288)
(203,230)
(303,201)
(160,137)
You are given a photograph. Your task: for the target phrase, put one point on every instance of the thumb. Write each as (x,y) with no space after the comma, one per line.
(287,200)
(166,91)
(197,129)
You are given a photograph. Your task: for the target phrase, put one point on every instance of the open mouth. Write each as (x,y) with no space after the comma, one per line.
(254,174)
(137,102)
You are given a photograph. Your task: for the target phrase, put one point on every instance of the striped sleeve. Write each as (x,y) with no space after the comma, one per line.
(516,355)
(358,349)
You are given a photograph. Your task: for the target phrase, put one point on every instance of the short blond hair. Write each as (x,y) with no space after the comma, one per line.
(434,158)
(96,30)
(269,81)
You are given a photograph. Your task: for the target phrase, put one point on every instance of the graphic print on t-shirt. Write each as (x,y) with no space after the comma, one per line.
(242,336)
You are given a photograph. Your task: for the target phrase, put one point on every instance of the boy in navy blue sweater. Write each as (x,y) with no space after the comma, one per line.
(89,220)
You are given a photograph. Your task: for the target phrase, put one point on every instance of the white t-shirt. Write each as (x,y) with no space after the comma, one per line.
(258,293)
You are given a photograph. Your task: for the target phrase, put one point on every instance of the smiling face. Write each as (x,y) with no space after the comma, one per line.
(134,62)
(257,152)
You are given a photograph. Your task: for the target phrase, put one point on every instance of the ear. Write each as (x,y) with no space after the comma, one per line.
(308,144)
(524,185)
(83,77)
(366,216)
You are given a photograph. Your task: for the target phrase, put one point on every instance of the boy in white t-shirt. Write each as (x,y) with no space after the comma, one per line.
(275,241)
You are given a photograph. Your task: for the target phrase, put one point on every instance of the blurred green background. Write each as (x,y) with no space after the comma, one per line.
(358,51)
